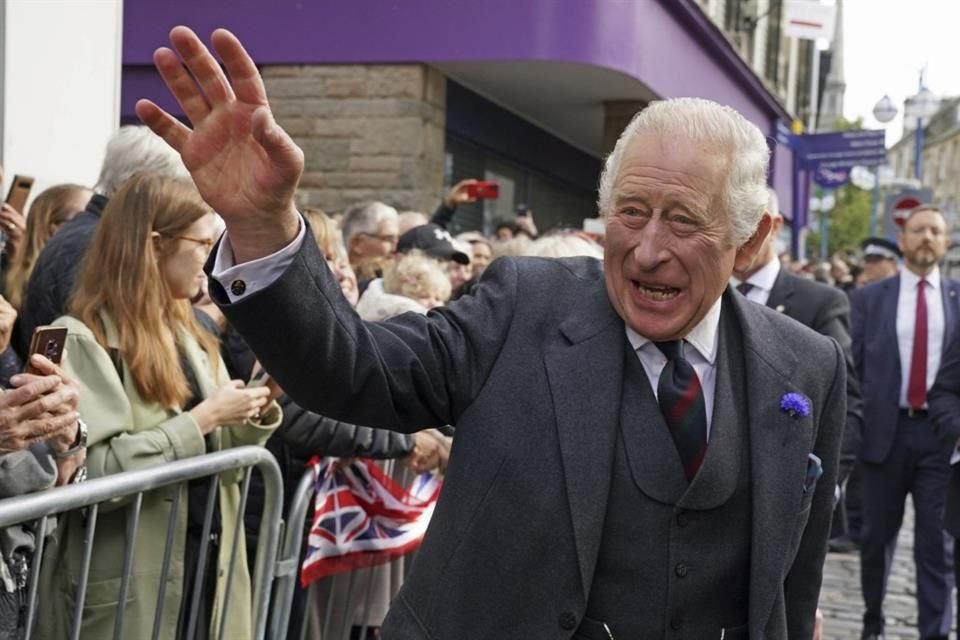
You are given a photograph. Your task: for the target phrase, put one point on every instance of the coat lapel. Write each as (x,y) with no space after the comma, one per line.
(585,370)
(779,444)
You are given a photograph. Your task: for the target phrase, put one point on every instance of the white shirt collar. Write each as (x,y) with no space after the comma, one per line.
(766,276)
(703,337)
(909,280)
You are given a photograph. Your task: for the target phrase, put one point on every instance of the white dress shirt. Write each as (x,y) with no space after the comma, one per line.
(906,319)
(762,281)
(254,275)
(703,356)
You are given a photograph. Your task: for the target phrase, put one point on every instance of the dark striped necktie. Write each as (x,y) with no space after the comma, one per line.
(681,402)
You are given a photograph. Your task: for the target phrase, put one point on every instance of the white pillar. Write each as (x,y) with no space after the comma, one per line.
(60,72)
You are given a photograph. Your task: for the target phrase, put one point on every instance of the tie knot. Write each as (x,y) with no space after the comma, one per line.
(744,287)
(672,349)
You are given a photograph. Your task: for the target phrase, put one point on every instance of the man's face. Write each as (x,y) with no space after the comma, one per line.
(923,240)
(668,253)
(379,244)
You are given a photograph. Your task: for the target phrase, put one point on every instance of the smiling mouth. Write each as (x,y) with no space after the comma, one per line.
(658,293)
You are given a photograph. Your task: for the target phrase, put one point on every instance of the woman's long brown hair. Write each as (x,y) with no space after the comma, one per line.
(121,276)
(52,207)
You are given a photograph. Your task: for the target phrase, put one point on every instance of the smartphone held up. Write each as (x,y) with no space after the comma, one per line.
(483,190)
(49,342)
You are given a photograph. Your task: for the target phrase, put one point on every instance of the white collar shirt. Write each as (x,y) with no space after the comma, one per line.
(906,321)
(704,338)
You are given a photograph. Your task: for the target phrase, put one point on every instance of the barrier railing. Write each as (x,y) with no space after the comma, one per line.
(38,507)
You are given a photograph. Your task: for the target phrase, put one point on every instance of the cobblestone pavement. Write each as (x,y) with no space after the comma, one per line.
(842,604)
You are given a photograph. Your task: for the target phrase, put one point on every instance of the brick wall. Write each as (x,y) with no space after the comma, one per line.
(367,132)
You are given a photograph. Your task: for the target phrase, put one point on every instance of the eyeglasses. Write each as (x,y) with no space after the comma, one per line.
(382,237)
(206,242)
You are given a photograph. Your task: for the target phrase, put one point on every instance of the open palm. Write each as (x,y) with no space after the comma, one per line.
(244,165)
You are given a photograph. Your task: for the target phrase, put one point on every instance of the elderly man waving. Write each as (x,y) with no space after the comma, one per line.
(658,478)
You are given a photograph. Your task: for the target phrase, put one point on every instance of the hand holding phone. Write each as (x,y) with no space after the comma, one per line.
(483,190)
(49,342)
(259,377)
(19,192)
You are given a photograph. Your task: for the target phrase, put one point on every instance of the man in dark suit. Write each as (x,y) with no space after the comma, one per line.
(824,309)
(944,402)
(917,312)
(657,477)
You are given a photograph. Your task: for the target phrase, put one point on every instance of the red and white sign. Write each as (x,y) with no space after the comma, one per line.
(809,19)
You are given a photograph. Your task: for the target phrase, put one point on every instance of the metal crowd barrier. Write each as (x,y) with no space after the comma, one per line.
(133,484)
(331,624)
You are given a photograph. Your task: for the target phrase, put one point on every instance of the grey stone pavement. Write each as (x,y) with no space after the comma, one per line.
(842,604)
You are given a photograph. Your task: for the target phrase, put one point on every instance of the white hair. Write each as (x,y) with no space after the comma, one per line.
(719,127)
(364,218)
(136,149)
(564,246)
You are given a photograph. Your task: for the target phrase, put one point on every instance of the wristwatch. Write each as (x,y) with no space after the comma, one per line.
(80,475)
(78,444)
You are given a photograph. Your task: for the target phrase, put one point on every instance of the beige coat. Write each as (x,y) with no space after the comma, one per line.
(128,433)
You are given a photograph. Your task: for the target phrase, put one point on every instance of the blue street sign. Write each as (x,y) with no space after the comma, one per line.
(785,136)
(842,149)
(831,178)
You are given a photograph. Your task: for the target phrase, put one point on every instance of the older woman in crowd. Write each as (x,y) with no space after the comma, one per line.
(154,389)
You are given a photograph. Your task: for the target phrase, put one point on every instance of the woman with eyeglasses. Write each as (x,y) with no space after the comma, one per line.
(154,389)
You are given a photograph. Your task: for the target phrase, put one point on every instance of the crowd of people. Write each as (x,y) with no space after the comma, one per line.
(660,370)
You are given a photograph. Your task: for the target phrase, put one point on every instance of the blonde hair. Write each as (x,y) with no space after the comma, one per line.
(121,276)
(52,207)
(565,245)
(416,275)
(325,231)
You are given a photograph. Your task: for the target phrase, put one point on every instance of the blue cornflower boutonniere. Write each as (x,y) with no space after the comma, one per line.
(795,404)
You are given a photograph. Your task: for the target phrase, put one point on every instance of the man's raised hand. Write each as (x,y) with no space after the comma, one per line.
(244,165)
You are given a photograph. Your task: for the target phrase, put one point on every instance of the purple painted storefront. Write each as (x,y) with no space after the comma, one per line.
(669,46)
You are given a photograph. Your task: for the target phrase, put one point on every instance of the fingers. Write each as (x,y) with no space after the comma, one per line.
(181,85)
(202,65)
(280,147)
(27,387)
(247,83)
(173,132)
(46,367)
(50,426)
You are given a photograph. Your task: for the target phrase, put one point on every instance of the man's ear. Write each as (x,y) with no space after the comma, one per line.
(748,251)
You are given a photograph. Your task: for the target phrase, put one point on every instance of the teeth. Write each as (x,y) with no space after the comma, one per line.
(657,294)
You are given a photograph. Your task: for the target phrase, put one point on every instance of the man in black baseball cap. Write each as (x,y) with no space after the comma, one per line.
(434,241)
(880,259)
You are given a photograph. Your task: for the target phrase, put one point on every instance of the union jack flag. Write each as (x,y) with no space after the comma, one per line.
(363,518)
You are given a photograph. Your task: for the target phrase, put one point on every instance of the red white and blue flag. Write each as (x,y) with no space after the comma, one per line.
(363,518)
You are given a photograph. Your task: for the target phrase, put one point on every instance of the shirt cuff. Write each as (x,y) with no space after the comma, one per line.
(242,280)
(955,456)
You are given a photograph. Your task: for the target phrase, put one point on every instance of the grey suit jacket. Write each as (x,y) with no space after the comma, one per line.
(826,310)
(529,370)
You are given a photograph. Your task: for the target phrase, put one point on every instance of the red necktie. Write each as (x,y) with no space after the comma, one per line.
(682,405)
(917,388)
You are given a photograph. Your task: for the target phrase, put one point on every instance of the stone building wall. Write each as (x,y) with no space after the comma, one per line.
(367,132)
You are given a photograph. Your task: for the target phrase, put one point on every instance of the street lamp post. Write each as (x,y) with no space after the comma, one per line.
(920,107)
(884,111)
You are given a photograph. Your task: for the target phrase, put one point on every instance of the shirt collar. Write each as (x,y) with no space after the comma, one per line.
(702,337)
(909,280)
(765,277)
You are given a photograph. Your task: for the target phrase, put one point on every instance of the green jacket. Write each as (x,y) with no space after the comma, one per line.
(127,433)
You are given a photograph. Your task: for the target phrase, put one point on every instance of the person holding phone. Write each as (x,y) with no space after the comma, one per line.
(154,389)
